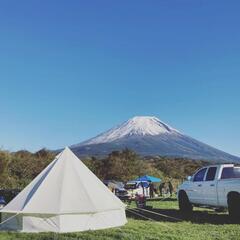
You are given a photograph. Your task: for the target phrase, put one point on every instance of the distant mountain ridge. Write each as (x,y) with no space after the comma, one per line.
(150,136)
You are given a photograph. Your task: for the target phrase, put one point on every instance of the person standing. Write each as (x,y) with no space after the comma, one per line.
(161,187)
(170,187)
(151,189)
(143,189)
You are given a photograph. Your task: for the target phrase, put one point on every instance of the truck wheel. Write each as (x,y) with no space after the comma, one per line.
(234,206)
(185,206)
(220,210)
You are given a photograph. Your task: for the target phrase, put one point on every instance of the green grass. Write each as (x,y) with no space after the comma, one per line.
(203,225)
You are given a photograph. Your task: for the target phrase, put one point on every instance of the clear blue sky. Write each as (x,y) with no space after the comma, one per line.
(72,69)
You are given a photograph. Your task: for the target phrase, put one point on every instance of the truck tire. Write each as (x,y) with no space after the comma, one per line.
(185,206)
(234,206)
(220,210)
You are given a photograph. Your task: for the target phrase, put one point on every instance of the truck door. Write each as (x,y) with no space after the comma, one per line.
(209,187)
(195,191)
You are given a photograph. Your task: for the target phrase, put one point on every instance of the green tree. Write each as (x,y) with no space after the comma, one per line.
(122,165)
(5,158)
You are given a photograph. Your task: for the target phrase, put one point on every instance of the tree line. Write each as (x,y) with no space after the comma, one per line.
(17,169)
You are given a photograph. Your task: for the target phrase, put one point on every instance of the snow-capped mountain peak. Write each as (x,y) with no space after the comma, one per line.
(144,125)
(149,136)
(139,126)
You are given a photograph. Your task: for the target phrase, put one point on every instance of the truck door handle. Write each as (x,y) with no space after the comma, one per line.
(199,185)
(212,185)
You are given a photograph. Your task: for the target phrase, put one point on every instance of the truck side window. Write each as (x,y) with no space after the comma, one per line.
(227,173)
(236,171)
(199,176)
(211,174)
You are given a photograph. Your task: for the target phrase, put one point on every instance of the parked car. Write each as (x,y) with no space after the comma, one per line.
(2,202)
(215,186)
(137,187)
(122,193)
(117,188)
(9,194)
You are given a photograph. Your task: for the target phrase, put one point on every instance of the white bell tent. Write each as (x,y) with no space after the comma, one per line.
(65,197)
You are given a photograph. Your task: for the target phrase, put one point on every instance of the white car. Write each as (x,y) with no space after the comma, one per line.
(137,187)
(215,186)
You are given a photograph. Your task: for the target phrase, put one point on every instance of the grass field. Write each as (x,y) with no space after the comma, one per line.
(203,225)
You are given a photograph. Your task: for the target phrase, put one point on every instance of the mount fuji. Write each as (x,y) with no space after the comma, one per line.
(149,136)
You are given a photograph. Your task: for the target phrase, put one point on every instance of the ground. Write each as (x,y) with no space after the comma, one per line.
(204,224)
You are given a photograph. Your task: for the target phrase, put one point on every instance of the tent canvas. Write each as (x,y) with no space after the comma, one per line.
(65,197)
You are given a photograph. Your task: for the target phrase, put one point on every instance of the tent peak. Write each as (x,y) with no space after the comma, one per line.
(66,149)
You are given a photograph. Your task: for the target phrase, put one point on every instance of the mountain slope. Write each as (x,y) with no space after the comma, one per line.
(150,136)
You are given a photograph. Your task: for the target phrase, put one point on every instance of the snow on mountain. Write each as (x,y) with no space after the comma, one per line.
(136,126)
(148,136)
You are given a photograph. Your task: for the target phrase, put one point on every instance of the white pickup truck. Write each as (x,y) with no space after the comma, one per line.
(216,186)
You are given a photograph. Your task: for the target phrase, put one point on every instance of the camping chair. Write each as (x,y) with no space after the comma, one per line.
(140,201)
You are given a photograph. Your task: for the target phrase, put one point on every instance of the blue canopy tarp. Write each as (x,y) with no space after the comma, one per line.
(148,178)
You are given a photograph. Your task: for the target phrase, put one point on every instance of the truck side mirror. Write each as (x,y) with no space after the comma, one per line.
(189,178)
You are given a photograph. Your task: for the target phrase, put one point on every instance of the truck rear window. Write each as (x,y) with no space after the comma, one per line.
(230,172)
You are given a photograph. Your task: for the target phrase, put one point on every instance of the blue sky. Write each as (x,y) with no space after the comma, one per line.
(72,69)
